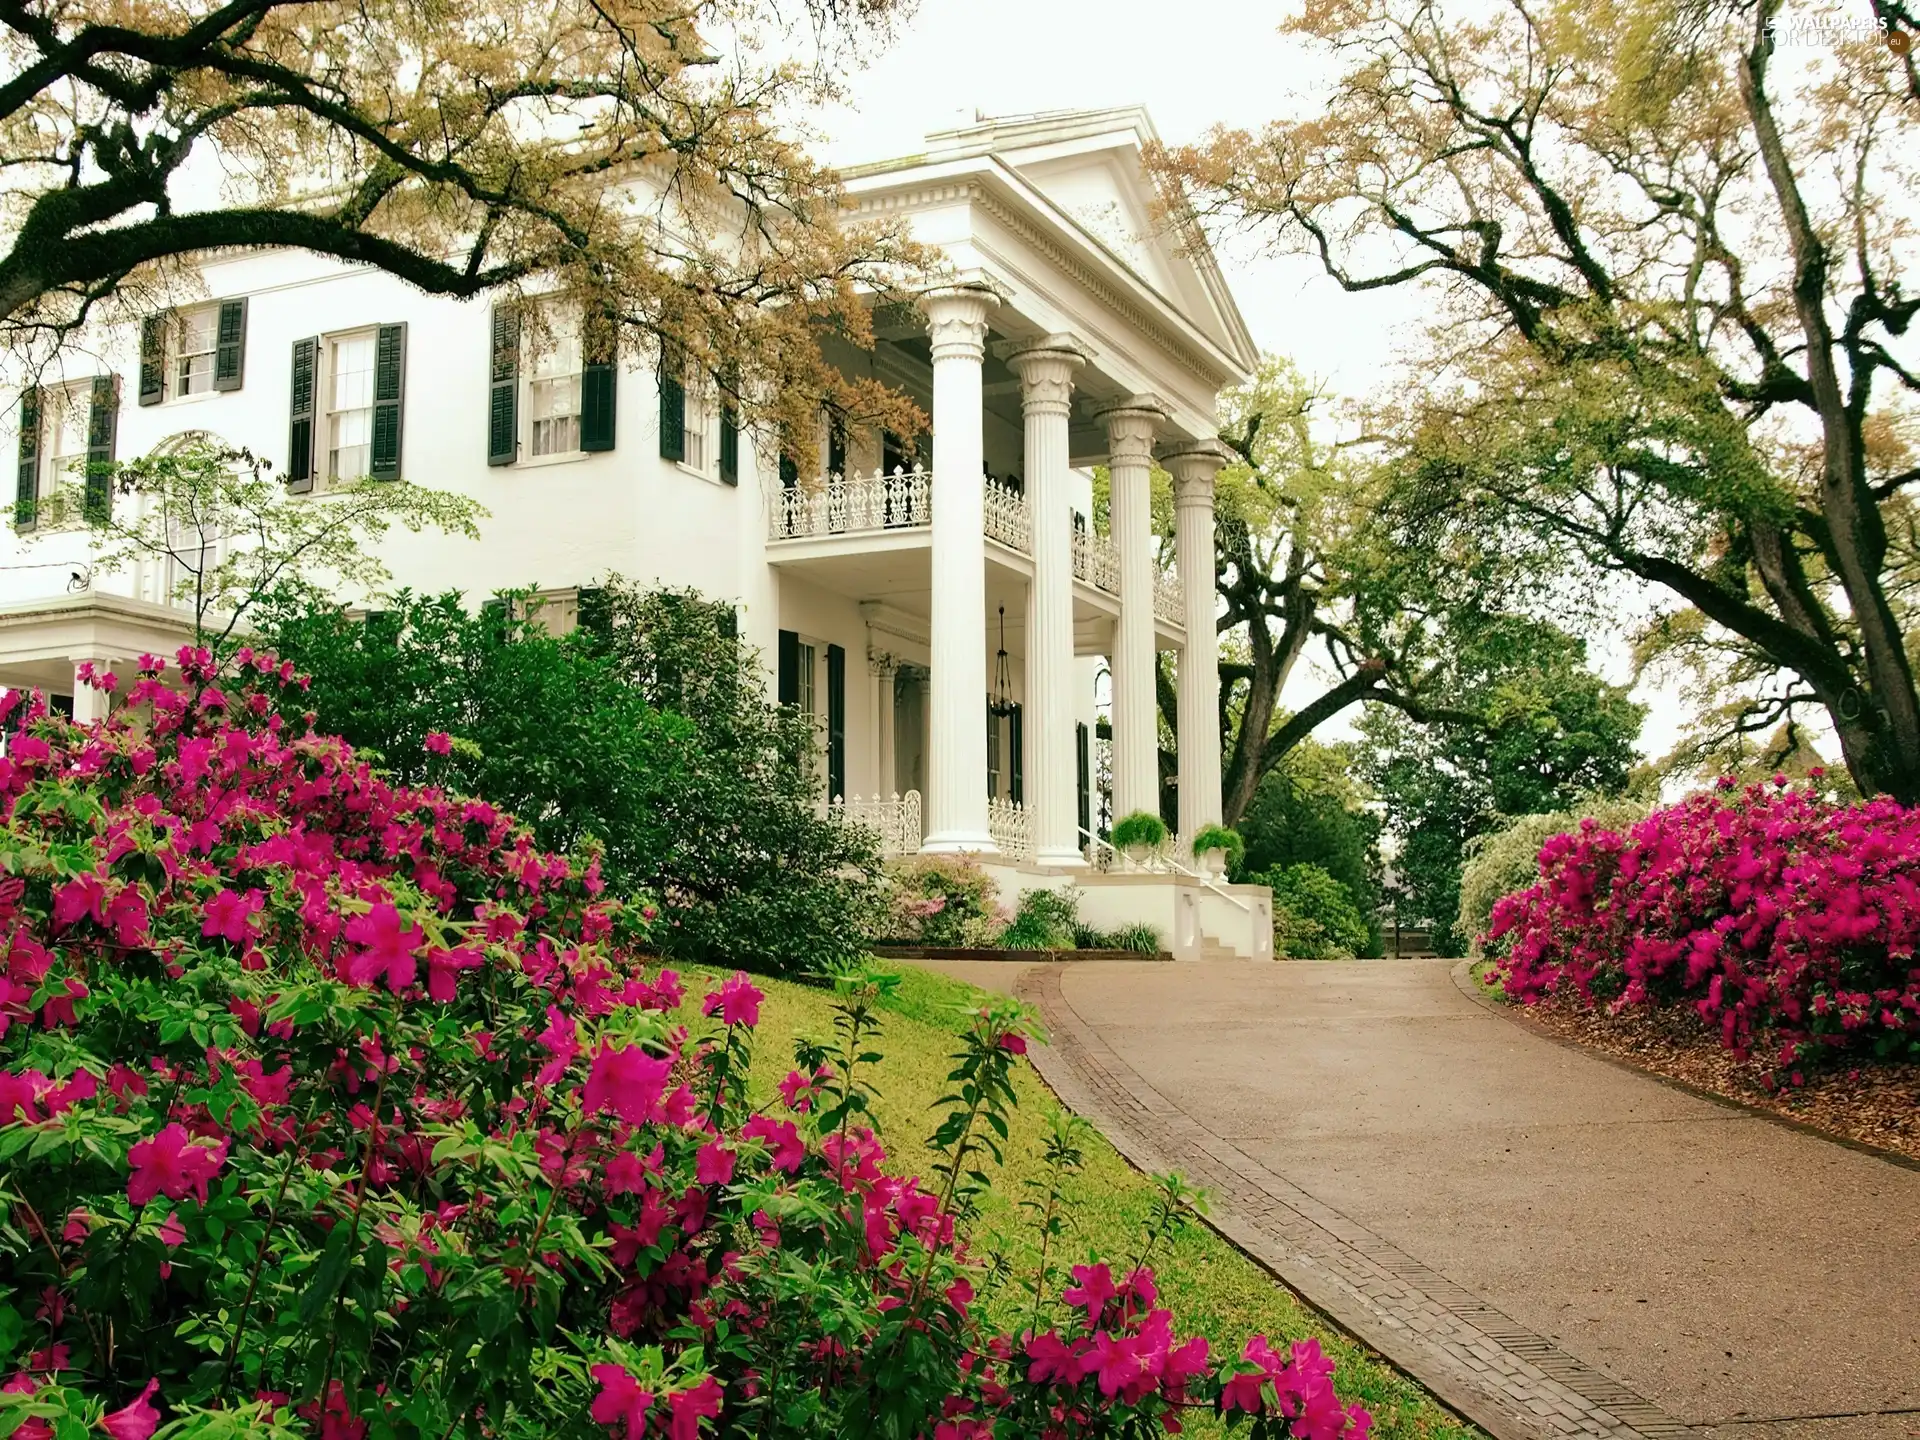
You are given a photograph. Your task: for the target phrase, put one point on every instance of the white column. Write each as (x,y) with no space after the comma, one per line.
(89,704)
(1193,469)
(957,741)
(1046,388)
(1136,740)
(883,666)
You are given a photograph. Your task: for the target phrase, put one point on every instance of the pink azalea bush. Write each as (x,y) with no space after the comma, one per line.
(1786,922)
(334,1108)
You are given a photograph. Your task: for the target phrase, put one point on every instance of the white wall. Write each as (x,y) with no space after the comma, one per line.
(552,524)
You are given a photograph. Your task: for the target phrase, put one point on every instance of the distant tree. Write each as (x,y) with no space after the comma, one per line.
(1549,732)
(1671,277)
(1311,810)
(224,528)
(1298,575)
(631,154)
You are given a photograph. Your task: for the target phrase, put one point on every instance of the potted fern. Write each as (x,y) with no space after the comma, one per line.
(1218,850)
(1139,834)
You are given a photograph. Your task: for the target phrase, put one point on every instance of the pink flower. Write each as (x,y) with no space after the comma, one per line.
(737,1001)
(443,971)
(787,1151)
(438,742)
(1014,1043)
(1092,1288)
(136,1420)
(172,1233)
(628,1082)
(714,1164)
(388,947)
(691,1406)
(620,1400)
(230,916)
(172,1164)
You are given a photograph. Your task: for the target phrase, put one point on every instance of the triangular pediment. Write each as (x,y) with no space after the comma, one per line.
(1088,165)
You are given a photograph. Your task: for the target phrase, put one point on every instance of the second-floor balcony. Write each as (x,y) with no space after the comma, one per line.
(900,502)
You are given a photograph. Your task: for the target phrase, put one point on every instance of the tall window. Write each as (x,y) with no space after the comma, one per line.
(693,423)
(806,697)
(553,388)
(64,436)
(196,338)
(349,396)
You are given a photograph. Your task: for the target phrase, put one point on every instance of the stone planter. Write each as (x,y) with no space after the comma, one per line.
(1212,864)
(1136,856)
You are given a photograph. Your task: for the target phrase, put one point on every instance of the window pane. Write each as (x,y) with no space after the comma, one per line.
(350,415)
(554,408)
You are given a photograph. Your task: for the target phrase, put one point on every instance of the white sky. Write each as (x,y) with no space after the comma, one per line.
(1207,62)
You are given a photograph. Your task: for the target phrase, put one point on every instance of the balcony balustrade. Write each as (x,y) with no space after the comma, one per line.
(852,505)
(896,818)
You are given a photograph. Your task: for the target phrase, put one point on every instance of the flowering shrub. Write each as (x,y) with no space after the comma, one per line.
(942,900)
(335,1108)
(1778,916)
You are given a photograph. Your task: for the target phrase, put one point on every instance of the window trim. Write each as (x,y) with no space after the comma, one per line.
(527,379)
(173,392)
(323,411)
(55,400)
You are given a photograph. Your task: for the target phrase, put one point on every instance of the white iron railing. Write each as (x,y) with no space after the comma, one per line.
(1167,604)
(1009,519)
(852,505)
(1097,561)
(896,818)
(1011,828)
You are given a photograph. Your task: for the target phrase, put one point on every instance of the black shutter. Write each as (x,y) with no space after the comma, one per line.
(993,752)
(389,389)
(1083,781)
(893,455)
(503,396)
(153,358)
(594,614)
(673,404)
(26,499)
(729,445)
(103,423)
(1016,768)
(789,473)
(230,346)
(306,360)
(597,389)
(836,722)
(788,692)
(836,446)
(494,613)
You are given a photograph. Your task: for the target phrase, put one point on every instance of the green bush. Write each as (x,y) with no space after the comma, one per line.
(1507,860)
(1045,920)
(1219,837)
(1142,938)
(942,900)
(1141,828)
(1314,917)
(647,731)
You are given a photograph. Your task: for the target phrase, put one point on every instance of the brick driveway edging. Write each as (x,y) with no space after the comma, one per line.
(1513,1383)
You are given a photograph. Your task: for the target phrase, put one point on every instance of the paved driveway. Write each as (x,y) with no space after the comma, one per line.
(1559,1246)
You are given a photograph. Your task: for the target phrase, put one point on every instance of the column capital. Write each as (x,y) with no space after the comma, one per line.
(957,320)
(1131,425)
(1046,369)
(1193,465)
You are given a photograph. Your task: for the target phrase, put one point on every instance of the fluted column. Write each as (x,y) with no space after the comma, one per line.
(883,667)
(1046,388)
(1136,741)
(957,732)
(1193,468)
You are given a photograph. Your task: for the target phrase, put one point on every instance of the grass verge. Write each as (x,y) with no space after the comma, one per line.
(1211,1287)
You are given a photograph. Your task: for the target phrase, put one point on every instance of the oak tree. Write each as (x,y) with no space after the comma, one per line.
(630,153)
(1667,251)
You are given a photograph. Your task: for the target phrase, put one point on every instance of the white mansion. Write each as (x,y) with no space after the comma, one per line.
(1073,334)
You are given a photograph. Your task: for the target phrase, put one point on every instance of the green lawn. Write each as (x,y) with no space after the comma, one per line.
(1210,1286)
